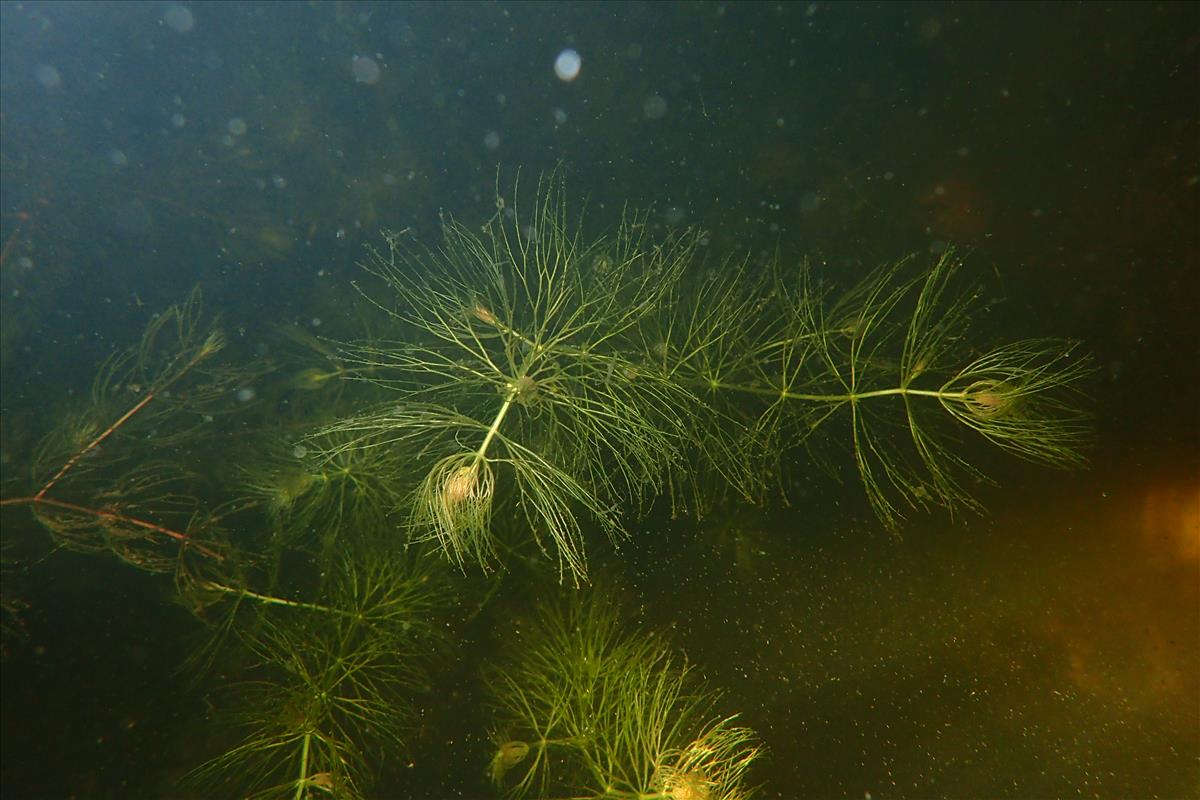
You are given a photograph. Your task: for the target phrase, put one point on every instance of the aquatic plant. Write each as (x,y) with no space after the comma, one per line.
(562,379)
(586,709)
(109,473)
(537,383)
(891,357)
(323,498)
(511,389)
(329,682)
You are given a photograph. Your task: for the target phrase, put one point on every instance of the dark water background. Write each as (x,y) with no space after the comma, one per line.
(1046,649)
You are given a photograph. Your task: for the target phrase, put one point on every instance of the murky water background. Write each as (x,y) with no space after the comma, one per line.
(1047,648)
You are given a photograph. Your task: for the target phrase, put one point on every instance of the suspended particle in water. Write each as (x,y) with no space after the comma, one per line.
(48,76)
(654,107)
(567,65)
(930,28)
(179,18)
(365,70)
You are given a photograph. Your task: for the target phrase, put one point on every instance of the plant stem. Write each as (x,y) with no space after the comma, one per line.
(272,600)
(487,440)
(114,517)
(837,398)
(206,350)
(302,782)
(94,443)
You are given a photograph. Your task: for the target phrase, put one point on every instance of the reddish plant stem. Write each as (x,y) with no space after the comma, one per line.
(114,517)
(41,499)
(73,460)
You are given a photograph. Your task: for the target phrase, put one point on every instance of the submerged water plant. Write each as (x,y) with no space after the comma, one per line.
(891,361)
(511,386)
(110,475)
(567,380)
(330,681)
(587,709)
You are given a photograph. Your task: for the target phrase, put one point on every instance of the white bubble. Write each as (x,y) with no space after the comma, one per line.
(279,182)
(299,451)
(245,395)
(492,140)
(567,65)
(178,18)
(674,215)
(315,322)
(117,158)
(236,126)
(178,120)
(47,76)
(560,117)
(365,70)
(654,107)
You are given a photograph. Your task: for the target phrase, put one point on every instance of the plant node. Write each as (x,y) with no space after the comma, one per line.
(523,390)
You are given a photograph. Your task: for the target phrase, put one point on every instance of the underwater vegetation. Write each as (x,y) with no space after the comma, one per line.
(528,388)
(542,377)
(585,708)
(327,685)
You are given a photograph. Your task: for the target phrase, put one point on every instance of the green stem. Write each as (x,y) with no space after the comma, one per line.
(271,600)
(487,440)
(837,398)
(302,782)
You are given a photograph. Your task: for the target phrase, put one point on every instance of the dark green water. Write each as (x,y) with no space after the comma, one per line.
(1047,647)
